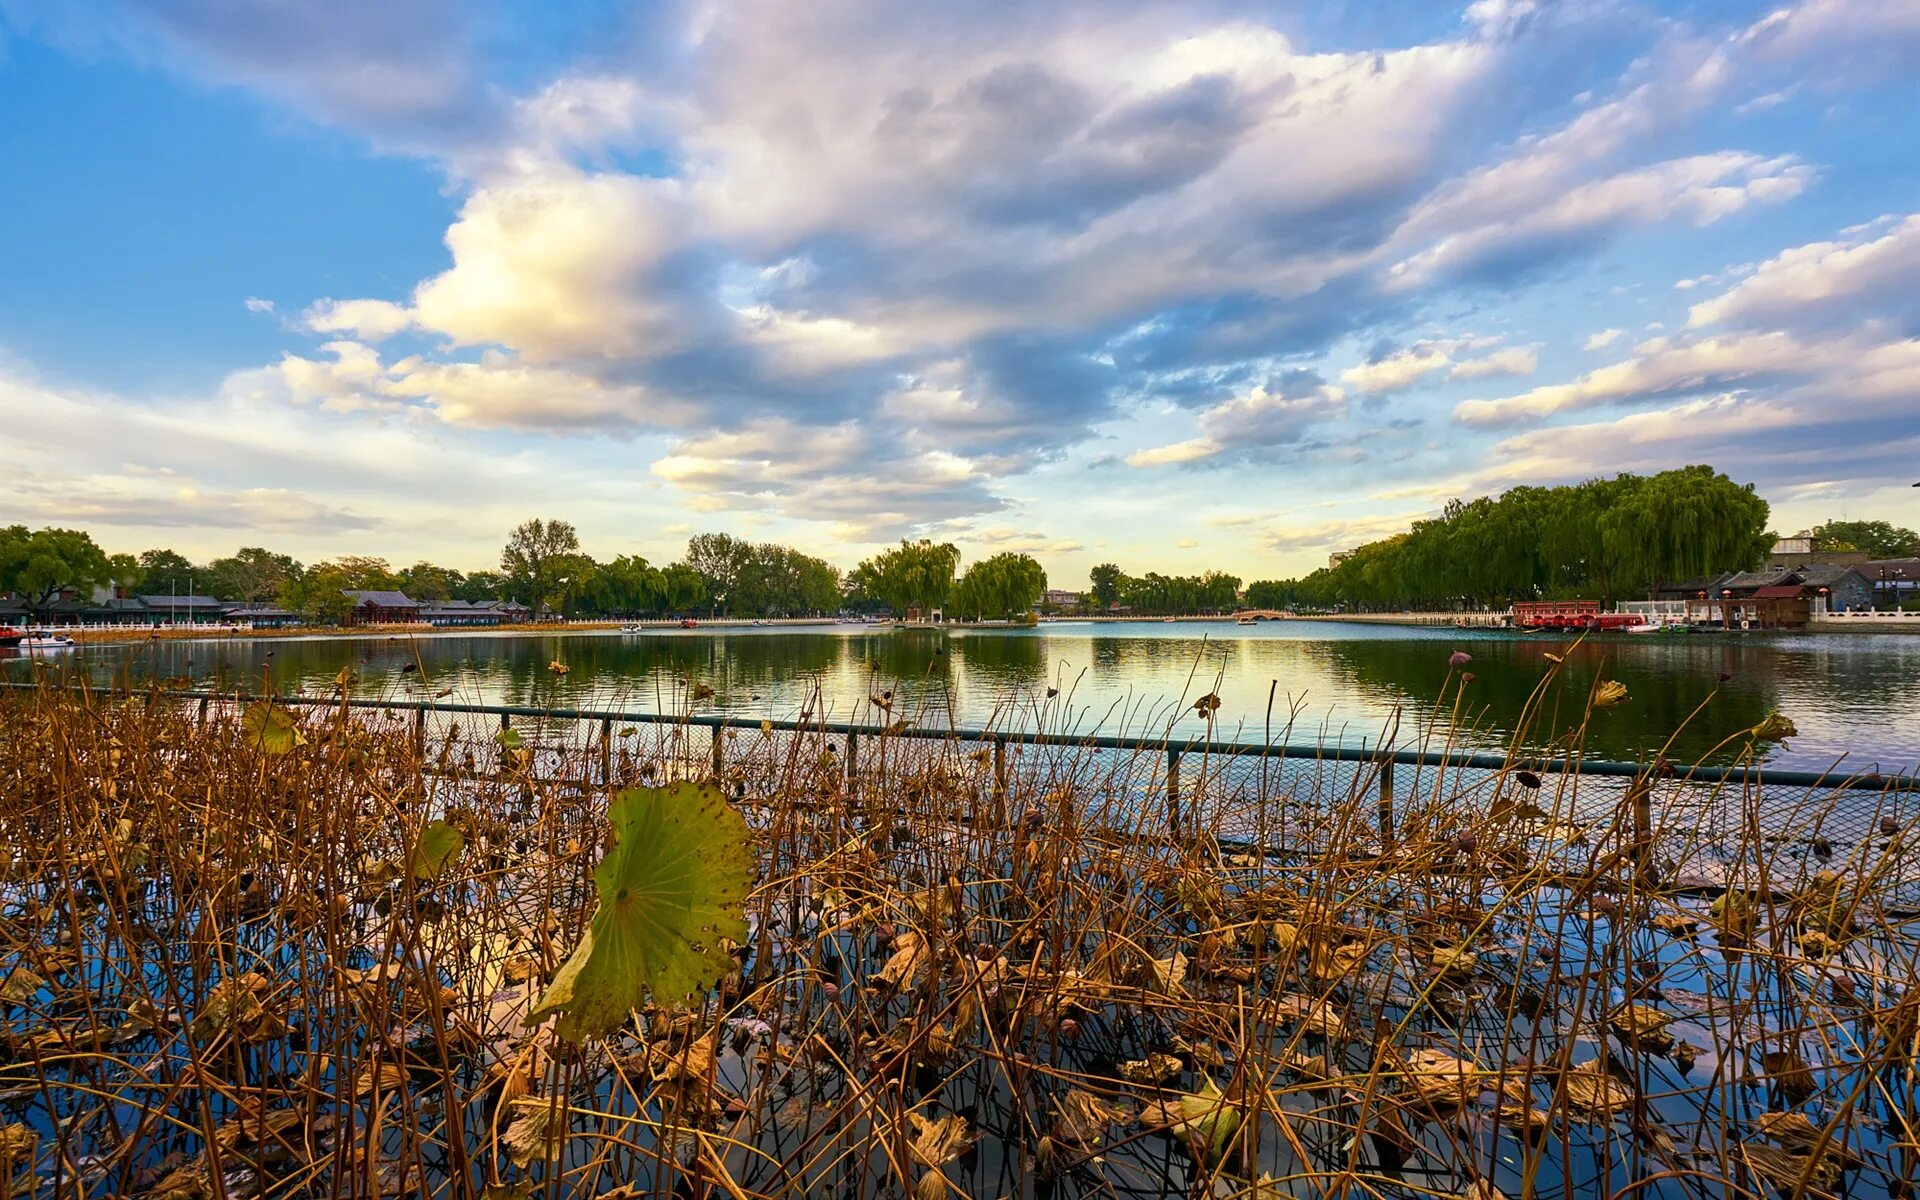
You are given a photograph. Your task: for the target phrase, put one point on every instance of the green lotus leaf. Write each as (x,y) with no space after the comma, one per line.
(1210,1121)
(509,739)
(439,844)
(673,886)
(271,730)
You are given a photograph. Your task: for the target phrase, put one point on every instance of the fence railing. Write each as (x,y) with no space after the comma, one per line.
(1175,746)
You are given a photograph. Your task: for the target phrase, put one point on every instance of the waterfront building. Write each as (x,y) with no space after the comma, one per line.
(378,607)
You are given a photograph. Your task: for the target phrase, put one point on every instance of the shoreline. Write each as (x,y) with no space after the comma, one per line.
(134,635)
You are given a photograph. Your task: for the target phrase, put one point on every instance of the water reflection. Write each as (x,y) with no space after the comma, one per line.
(1328,681)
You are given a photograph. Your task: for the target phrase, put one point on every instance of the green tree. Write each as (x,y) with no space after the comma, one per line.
(430,584)
(165,573)
(366,573)
(1105,584)
(542,558)
(912,575)
(681,589)
(481,585)
(320,594)
(1601,539)
(1003,586)
(627,586)
(252,573)
(1876,539)
(40,566)
(720,559)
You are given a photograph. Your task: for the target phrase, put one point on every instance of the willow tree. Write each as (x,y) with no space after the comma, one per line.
(1001,586)
(1601,538)
(911,575)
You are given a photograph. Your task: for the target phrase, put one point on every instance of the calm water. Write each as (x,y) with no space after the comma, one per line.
(1857,695)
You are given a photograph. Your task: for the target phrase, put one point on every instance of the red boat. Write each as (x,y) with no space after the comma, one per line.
(688,623)
(10,636)
(1570,614)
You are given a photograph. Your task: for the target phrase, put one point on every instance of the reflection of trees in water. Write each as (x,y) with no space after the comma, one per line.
(1665,684)
(1842,691)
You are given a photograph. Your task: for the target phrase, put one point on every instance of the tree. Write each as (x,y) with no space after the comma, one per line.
(912,575)
(627,586)
(1875,539)
(1602,538)
(40,566)
(320,594)
(681,589)
(541,558)
(433,585)
(165,573)
(253,574)
(481,585)
(1002,586)
(1106,579)
(365,573)
(719,559)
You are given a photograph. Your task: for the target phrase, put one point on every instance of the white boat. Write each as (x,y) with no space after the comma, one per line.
(633,629)
(47,641)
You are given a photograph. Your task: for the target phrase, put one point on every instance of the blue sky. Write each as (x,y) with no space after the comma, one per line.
(1177,285)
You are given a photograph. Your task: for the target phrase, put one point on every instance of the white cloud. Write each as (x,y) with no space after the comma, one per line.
(1830,277)
(1410,365)
(256,305)
(1255,425)
(1397,371)
(367,320)
(1603,339)
(1513,360)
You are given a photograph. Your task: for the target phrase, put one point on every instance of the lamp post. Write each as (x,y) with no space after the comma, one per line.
(1726,608)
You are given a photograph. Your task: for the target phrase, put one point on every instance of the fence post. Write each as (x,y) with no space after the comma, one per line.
(999,783)
(1386,803)
(606,751)
(419,731)
(1642,797)
(203,710)
(719,750)
(1173,788)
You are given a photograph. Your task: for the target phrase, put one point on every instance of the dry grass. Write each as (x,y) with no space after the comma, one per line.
(217,979)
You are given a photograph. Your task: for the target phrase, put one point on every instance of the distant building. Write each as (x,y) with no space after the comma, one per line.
(1338,557)
(1803,549)
(181,610)
(476,613)
(1059,598)
(1775,597)
(373,607)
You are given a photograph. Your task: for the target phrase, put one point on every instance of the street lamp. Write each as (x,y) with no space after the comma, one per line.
(1726,607)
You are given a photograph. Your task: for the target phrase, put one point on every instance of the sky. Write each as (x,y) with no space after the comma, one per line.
(1177,285)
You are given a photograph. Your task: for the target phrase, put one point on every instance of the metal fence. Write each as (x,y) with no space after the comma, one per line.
(1701,822)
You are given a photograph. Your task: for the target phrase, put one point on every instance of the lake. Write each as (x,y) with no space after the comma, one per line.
(1300,681)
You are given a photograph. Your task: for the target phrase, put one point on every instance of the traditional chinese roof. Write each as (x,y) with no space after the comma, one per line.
(380,599)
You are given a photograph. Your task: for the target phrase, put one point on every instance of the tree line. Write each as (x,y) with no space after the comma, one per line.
(1154,594)
(1603,539)
(543,566)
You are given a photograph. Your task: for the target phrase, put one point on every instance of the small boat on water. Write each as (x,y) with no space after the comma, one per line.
(633,629)
(688,623)
(42,640)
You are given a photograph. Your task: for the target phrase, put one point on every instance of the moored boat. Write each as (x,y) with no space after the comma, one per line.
(10,636)
(42,640)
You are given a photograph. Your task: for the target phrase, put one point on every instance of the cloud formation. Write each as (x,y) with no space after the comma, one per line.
(882,267)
